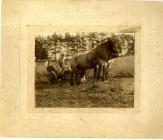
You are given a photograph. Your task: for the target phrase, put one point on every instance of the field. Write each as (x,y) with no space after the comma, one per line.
(116,92)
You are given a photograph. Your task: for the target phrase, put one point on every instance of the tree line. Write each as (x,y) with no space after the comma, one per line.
(70,43)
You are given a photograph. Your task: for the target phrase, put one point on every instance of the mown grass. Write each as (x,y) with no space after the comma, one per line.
(115,92)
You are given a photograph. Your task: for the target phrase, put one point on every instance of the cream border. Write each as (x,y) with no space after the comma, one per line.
(27,102)
(15,121)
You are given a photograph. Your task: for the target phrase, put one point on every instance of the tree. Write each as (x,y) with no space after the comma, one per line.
(55,37)
(40,49)
(68,37)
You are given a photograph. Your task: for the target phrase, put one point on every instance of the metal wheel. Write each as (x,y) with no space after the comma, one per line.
(52,78)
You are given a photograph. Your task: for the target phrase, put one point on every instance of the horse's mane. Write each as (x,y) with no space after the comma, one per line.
(104,43)
(104,49)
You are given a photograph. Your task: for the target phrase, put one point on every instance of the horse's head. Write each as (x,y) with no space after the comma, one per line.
(116,46)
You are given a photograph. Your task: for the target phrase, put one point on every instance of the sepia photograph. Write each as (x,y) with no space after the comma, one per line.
(84,70)
(81,69)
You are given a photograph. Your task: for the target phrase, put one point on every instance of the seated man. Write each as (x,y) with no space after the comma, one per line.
(61,62)
(48,65)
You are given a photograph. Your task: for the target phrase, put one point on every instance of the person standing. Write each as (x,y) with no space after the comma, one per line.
(61,62)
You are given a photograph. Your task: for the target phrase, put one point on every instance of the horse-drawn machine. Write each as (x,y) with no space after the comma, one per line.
(56,72)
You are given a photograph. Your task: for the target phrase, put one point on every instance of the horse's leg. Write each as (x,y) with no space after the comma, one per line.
(95,74)
(107,71)
(108,68)
(82,76)
(77,75)
(72,78)
(104,73)
(98,73)
(78,80)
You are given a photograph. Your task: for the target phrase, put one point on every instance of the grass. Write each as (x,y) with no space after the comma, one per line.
(116,92)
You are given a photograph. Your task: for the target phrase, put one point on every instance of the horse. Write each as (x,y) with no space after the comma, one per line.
(95,58)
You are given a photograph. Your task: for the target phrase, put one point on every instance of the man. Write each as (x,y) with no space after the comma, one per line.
(61,62)
(48,65)
(48,62)
(108,65)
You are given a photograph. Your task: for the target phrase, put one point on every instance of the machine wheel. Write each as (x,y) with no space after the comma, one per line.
(52,78)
